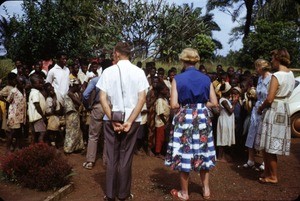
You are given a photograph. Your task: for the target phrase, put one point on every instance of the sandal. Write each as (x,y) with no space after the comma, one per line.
(88,165)
(247,166)
(178,194)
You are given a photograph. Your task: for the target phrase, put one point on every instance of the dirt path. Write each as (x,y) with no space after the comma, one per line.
(153,181)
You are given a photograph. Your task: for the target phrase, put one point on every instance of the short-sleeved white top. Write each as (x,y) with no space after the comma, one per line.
(59,78)
(35,96)
(133,81)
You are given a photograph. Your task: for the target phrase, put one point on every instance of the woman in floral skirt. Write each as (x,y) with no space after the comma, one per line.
(191,145)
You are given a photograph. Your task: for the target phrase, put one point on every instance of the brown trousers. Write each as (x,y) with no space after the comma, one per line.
(119,150)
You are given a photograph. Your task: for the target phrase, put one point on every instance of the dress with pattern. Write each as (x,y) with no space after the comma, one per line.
(16,109)
(73,137)
(262,92)
(274,135)
(191,145)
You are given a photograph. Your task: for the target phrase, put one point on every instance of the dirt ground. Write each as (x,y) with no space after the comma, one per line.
(153,181)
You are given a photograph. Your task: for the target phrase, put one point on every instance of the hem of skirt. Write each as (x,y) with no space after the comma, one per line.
(193,169)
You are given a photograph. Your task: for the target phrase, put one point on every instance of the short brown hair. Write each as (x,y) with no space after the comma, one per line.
(282,55)
(123,48)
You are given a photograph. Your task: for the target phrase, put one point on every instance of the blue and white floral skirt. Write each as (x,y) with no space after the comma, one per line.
(191,145)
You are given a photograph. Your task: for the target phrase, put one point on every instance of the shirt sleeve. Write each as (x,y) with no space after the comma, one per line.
(10,96)
(144,84)
(49,77)
(35,98)
(87,93)
(4,91)
(102,83)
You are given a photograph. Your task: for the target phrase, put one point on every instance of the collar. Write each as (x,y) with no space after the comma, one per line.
(190,68)
(58,67)
(123,62)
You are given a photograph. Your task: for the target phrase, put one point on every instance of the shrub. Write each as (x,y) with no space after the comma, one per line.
(38,166)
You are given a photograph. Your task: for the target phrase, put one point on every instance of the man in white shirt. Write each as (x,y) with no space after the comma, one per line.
(58,76)
(125,85)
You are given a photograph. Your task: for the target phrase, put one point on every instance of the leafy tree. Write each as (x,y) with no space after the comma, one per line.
(135,21)
(50,26)
(272,10)
(83,28)
(235,8)
(268,36)
(179,27)
(204,45)
(284,10)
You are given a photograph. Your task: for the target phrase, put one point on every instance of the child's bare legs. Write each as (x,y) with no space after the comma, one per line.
(221,156)
(18,134)
(41,136)
(204,174)
(9,140)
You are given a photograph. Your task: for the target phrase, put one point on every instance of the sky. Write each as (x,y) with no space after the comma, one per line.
(223,20)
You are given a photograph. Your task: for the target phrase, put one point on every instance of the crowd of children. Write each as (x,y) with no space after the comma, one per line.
(30,108)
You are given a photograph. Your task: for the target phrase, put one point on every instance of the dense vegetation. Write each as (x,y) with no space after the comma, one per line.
(156,29)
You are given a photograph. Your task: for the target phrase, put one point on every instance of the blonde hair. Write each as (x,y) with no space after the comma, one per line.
(264,64)
(189,55)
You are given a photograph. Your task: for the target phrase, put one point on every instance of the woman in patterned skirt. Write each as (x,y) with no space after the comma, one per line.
(191,145)
(274,137)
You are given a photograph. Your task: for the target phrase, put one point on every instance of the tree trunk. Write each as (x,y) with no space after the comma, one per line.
(249,6)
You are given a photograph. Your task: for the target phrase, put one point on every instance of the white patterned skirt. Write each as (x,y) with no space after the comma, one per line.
(191,145)
(274,133)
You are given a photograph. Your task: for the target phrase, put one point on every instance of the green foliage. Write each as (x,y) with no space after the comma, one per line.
(85,28)
(181,27)
(6,65)
(37,166)
(268,36)
(204,45)
(48,27)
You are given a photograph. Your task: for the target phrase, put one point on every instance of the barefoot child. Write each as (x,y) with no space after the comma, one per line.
(162,109)
(36,109)
(226,124)
(11,83)
(16,114)
(53,111)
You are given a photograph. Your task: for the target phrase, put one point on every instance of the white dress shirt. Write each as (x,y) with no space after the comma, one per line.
(133,81)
